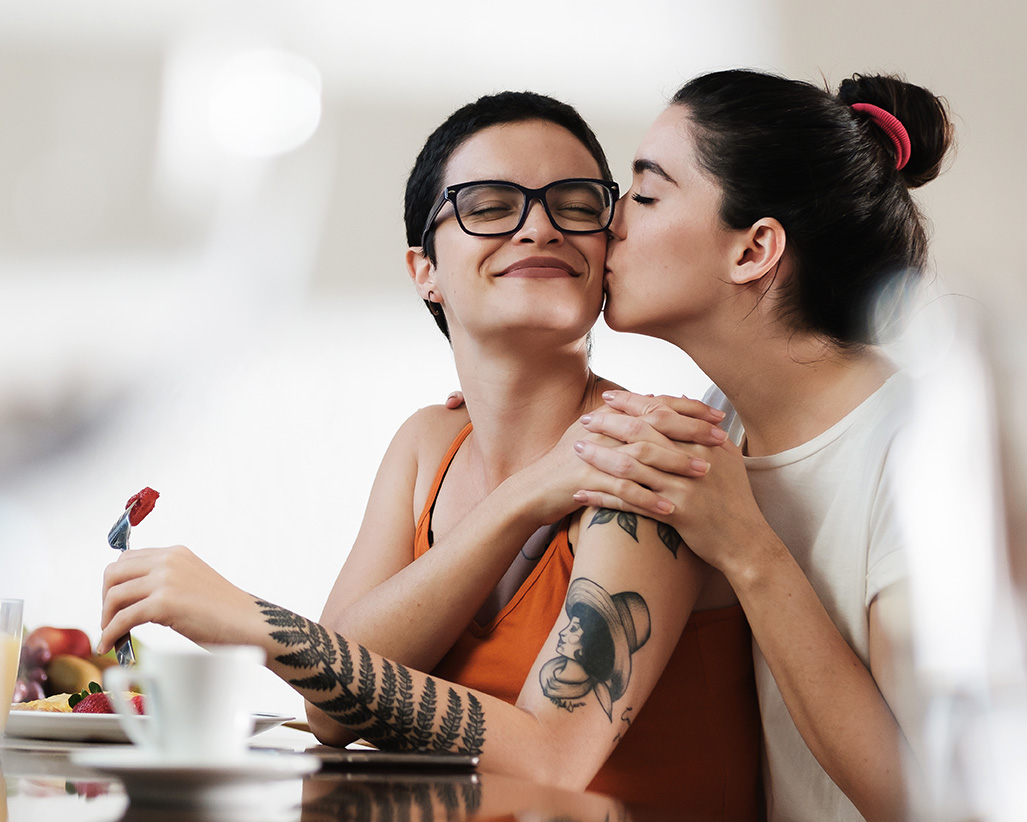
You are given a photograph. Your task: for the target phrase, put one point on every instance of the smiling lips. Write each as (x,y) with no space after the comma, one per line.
(539,268)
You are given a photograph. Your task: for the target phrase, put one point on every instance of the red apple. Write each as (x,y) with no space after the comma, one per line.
(44,643)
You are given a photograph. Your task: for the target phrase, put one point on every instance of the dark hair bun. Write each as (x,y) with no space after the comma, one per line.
(924,116)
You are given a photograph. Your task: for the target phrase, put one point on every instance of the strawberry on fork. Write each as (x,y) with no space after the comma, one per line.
(137,507)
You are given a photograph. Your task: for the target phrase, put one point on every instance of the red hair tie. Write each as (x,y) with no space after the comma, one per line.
(890,125)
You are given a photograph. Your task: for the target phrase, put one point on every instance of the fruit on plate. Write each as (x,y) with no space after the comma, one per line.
(44,643)
(100,704)
(57,660)
(29,685)
(94,700)
(67,674)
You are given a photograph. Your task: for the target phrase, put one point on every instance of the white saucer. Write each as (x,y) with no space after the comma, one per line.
(152,779)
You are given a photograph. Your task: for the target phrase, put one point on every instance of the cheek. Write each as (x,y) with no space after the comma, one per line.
(593,248)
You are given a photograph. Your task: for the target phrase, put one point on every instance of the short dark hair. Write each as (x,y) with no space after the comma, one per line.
(424,185)
(786,149)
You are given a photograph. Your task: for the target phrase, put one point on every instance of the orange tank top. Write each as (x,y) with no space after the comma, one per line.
(693,747)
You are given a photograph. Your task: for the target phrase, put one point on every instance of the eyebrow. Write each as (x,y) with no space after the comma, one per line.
(640,166)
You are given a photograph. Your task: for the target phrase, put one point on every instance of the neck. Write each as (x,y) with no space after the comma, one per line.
(521,401)
(789,389)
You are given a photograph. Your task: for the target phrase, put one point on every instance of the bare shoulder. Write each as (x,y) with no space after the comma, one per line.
(434,425)
(426,436)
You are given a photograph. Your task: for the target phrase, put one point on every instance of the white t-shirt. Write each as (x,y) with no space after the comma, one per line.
(829,502)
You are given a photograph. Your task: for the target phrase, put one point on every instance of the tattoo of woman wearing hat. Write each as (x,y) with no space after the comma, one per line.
(596,646)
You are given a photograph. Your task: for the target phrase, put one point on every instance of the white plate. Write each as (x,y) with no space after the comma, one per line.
(150,779)
(70,727)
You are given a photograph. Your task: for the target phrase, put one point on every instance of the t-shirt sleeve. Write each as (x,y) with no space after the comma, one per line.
(887,562)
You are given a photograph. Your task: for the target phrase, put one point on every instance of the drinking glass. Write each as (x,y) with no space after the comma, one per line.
(10,653)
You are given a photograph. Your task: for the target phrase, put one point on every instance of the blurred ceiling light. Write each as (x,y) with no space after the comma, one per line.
(265,102)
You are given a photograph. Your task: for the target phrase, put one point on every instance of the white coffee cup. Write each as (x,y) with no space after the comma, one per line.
(195,701)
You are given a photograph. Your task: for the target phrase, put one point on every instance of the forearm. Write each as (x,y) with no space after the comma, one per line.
(400,709)
(830,694)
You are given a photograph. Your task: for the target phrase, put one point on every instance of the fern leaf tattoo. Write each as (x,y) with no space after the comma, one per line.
(377,698)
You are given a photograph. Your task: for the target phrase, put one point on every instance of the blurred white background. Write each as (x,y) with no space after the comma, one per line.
(201,277)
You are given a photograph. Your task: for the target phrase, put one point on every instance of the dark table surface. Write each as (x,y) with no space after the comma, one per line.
(39,782)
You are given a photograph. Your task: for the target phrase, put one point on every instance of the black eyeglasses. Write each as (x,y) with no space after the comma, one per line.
(491,208)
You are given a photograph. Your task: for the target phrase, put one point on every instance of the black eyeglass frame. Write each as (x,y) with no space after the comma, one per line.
(449,195)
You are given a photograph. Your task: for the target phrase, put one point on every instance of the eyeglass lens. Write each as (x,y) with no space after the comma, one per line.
(494,208)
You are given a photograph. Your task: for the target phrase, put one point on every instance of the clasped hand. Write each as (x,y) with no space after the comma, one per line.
(666,458)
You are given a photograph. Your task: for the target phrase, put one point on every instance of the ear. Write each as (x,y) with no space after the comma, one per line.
(421,271)
(759,250)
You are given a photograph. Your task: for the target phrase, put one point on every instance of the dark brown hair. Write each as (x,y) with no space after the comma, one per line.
(786,149)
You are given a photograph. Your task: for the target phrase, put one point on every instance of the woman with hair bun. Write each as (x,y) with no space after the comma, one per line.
(764,220)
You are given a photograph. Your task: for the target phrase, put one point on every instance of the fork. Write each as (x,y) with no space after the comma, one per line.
(117,538)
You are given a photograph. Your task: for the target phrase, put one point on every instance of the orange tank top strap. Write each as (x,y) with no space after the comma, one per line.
(423,537)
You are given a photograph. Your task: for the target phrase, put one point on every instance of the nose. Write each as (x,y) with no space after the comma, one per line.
(616,229)
(537,227)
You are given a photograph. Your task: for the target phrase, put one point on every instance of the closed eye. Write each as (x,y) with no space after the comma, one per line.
(638,198)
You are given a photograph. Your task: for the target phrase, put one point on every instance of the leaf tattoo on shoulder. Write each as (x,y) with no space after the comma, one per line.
(376,698)
(669,537)
(629,524)
(627,521)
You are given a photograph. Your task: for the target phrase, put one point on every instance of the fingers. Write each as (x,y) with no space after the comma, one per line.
(598,499)
(638,405)
(124,621)
(636,484)
(658,425)
(651,465)
(136,590)
(455,400)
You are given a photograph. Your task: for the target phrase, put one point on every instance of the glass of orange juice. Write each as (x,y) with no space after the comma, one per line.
(10,652)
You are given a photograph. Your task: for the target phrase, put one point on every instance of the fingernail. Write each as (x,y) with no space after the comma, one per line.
(608,395)
(664,507)
(581,496)
(586,419)
(717,414)
(700,466)
(579,446)
(719,434)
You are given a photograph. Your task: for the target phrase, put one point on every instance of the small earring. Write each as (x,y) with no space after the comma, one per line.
(433,305)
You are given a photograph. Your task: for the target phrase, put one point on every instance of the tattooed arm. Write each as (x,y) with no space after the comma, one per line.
(641,588)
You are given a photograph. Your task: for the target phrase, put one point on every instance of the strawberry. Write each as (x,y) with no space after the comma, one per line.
(93,700)
(141,505)
(93,704)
